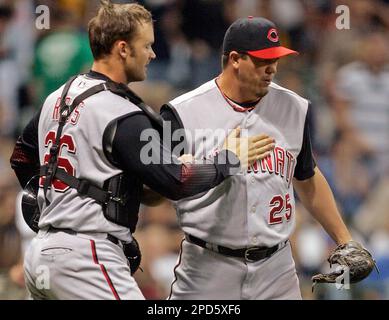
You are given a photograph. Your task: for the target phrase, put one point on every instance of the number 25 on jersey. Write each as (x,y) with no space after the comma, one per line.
(280,209)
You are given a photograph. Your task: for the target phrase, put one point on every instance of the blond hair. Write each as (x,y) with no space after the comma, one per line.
(115,22)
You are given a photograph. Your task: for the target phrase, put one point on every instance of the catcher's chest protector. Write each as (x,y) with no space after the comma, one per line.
(81,155)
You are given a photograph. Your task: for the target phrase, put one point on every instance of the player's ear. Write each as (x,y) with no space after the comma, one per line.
(123,48)
(233,58)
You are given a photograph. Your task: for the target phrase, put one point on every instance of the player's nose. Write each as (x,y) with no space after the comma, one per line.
(152,55)
(272,68)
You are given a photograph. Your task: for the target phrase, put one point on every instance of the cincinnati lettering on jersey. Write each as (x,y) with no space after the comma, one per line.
(73,119)
(280,162)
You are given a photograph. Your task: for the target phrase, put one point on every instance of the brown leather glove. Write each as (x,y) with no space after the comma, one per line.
(354,258)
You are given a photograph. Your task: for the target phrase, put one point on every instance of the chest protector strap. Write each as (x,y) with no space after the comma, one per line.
(51,171)
(112,197)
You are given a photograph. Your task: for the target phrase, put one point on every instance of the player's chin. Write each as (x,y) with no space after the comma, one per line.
(141,76)
(262,92)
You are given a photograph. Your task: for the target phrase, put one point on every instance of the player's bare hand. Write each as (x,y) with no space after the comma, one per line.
(186,158)
(249,149)
(259,147)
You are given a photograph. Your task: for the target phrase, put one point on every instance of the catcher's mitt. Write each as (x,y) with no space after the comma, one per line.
(132,252)
(353,258)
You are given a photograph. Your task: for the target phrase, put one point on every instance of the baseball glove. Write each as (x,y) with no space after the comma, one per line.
(352,258)
(132,252)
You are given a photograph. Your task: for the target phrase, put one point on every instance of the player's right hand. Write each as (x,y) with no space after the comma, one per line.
(249,149)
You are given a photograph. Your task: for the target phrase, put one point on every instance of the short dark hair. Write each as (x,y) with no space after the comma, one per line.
(224,60)
(115,22)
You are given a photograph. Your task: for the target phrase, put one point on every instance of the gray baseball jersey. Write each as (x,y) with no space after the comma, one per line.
(258,207)
(82,155)
(76,260)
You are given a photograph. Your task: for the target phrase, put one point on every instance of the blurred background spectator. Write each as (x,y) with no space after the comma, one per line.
(60,52)
(344,72)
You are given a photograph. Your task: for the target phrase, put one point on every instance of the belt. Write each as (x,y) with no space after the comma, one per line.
(110,237)
(250,254)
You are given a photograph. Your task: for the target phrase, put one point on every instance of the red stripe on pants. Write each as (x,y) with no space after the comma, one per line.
(103,270)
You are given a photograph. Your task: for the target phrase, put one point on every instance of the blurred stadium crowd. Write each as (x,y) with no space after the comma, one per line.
(345,73)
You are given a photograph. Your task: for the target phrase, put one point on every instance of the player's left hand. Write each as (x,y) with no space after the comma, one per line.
(352,258)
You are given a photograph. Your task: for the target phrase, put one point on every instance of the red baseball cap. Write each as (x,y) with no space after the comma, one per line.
(257,37)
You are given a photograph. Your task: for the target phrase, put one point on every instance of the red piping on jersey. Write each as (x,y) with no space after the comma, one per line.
(175,268)
(234,106)
(103,270)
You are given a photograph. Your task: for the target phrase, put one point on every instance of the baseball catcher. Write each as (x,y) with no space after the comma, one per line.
(352,258)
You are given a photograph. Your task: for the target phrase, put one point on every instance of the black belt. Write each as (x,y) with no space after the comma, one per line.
(251,254)
(110,237)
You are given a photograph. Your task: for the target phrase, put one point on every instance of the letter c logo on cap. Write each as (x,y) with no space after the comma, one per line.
(272,35)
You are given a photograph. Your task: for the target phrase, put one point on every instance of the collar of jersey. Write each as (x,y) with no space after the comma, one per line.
(233,104)
(98,76)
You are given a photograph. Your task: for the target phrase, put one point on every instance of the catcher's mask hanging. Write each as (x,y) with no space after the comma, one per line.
(30,208)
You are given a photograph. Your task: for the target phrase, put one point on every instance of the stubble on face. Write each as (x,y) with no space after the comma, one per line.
(139,58)
(130,67)
(256,78)
(254,86)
